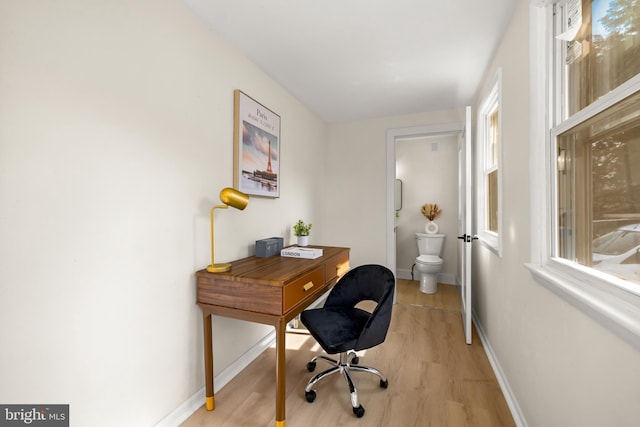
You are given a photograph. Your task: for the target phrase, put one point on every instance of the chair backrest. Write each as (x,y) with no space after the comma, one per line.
(367,282)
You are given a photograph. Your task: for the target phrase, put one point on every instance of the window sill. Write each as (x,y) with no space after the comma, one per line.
(613,307)
(491,242)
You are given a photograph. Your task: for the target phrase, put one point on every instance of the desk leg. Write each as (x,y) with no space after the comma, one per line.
(281,375)
(208,362)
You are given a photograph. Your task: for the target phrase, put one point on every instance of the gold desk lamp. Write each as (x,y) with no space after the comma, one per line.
(230,197)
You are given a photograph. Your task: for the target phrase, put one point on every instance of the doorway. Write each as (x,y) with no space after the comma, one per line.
(392,137)
(428,170)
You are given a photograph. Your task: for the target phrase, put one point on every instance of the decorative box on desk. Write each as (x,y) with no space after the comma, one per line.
(269,247)
(271,291)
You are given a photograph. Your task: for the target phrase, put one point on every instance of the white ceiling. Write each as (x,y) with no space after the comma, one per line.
(349,60)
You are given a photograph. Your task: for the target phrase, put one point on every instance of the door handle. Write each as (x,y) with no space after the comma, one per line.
(468,238)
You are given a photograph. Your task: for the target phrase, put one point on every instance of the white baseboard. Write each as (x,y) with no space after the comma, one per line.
(184,411)
(447,279)
(512,402)
(403,274)
(191,405)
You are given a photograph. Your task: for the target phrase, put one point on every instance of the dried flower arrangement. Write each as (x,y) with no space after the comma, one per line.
(431,211)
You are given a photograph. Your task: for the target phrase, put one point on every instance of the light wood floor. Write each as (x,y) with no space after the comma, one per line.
(435,379)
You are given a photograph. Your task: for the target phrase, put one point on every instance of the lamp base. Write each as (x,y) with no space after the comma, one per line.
(219,268)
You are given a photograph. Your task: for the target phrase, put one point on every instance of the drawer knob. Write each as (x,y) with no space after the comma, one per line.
(307,286)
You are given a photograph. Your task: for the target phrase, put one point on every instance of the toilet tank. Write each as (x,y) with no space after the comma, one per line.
(430,244)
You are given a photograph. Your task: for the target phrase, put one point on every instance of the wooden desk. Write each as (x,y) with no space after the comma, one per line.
(271,291)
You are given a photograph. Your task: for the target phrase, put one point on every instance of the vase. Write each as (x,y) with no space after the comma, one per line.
(431,227)
(303,240)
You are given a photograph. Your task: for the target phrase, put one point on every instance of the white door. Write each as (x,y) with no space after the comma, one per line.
(465,238)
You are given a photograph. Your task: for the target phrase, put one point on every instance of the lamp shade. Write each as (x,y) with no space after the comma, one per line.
(234,198)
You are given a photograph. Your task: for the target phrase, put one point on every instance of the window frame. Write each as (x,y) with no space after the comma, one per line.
(493,100)
(612,302)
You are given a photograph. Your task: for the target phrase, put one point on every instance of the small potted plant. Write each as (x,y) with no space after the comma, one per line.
(302,230)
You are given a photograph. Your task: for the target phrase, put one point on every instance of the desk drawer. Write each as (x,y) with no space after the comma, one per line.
(301,289)
(337,267)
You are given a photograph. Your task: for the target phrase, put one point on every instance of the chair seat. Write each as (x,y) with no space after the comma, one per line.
(336,329)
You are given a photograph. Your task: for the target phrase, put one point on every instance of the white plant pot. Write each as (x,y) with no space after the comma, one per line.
(431,228)
(303,240)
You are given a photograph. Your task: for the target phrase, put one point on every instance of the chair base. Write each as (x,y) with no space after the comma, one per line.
(348,362)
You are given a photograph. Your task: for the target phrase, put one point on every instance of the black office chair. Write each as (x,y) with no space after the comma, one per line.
(340,327)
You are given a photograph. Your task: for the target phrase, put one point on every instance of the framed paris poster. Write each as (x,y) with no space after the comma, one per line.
(256,147)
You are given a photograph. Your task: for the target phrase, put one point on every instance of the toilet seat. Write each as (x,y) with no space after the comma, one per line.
(429,259)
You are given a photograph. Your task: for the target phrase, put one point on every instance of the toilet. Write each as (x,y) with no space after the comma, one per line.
(429,261)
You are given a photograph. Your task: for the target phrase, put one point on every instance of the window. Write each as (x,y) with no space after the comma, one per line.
(605,52)
(589,248)
(599,191)
(489,135)
(598,181)
(491,171)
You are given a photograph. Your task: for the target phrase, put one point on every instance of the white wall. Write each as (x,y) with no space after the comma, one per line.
(428,168)
(564,368)
(116,121)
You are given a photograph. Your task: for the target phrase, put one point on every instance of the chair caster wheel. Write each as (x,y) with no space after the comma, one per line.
(311,366)
(384,384)
(311,396)
(359,411)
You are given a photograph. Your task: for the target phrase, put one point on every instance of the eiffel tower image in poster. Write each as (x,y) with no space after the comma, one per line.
(266,178)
